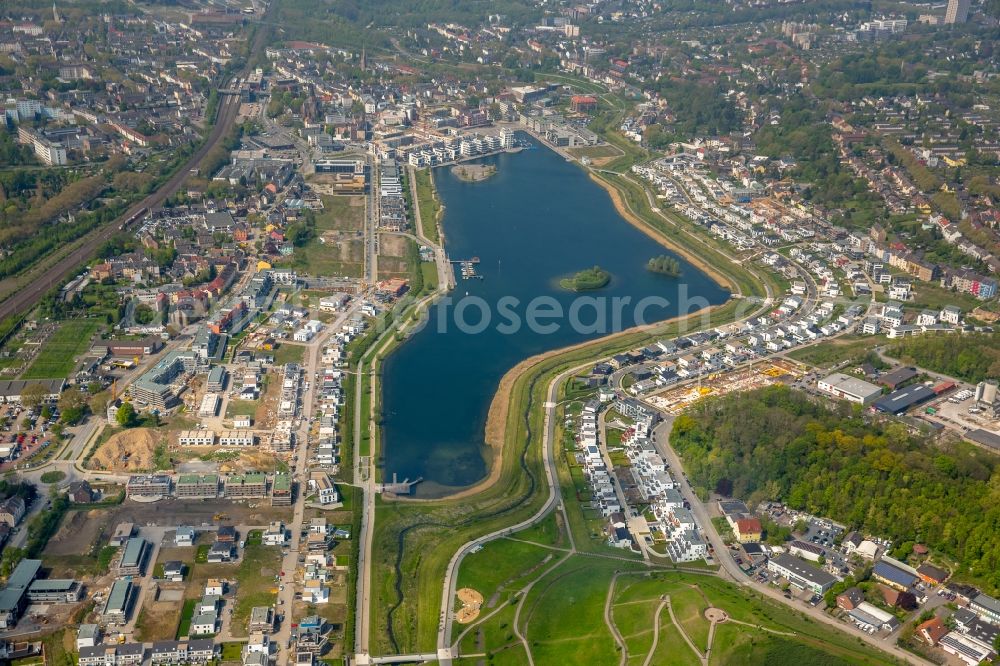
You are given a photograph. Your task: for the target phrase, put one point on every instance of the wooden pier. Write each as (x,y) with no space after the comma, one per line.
(397,487)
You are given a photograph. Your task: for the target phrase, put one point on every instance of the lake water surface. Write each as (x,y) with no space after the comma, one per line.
(537,220)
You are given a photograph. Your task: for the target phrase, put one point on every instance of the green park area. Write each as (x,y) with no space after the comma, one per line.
(578,609)
(430,207)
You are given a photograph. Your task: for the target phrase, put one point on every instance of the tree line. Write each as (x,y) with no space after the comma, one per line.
(972,357)
(870,474)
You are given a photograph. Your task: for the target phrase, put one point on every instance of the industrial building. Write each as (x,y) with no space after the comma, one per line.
(849,388)
(899,401)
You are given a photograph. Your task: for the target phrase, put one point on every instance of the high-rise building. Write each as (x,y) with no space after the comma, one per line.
(958,11)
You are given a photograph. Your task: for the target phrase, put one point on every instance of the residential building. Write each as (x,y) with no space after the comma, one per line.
(54,591)
(261,619)
(204,624)
(133,559)
(147,485)
(204,486)
(88,635)
(14,597)
(125,654)
(11,511)
(800,574)
(252,484)
(184,536)
(957,11)
(194,651)
(118,606)
(326,491)
(281,489)
(747,530)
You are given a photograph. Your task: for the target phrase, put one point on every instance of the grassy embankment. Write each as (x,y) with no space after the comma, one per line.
(430,207)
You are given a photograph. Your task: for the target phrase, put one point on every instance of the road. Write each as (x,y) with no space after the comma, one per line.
(300,474)
(26,291)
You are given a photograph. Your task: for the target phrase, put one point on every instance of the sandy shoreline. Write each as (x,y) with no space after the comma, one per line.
(686,252)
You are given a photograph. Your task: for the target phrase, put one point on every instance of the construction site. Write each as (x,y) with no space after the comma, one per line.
(676,400)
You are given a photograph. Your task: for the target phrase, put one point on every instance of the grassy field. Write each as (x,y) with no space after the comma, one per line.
(288,353)
(341,213)
(427,202)
(255,580)
(784,636)
(500,565)
(57,357)
(832,352)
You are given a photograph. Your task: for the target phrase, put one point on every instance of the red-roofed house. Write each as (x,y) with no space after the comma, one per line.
(747,530)
(932,631)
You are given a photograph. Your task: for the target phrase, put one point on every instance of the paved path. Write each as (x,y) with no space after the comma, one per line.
(610,621)
(656,632)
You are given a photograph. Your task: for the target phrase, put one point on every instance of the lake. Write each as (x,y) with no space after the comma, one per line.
(539,219)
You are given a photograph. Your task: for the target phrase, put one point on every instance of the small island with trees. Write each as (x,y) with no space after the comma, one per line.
(587,280)
(473,173)
(664,265)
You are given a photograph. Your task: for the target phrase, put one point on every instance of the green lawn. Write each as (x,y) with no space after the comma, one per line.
(255,578)
(57,357)
(232,651)
(187,614)
(242,407)
(201,555)
(500,564)
(287,353)
(430,207)
(838,350)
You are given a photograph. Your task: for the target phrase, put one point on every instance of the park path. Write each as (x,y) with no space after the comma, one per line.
(656,631)
(687,639)
(608,620)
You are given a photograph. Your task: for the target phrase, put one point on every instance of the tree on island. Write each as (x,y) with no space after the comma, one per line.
(665,265)
(586,280)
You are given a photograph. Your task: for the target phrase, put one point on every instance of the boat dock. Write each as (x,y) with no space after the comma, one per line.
(468,268)
(398,487)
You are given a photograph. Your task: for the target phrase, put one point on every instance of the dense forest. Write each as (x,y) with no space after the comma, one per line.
(776,444)
(972,357)
(700,110)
